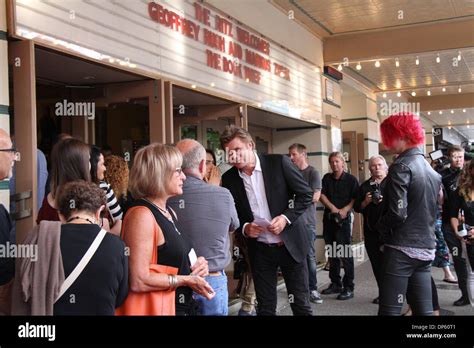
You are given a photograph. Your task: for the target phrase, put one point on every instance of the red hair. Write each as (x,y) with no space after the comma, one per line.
(403,125)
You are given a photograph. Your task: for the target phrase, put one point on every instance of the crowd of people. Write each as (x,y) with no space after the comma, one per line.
(155,237)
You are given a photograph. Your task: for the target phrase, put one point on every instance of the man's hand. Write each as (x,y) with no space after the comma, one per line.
(343,212)
(252,230)
(200,267)
(368,198)
(277,225)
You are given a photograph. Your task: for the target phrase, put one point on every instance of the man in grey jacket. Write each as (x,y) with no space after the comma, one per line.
(206,214)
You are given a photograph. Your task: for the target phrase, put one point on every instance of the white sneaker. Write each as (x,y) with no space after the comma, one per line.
(315,297)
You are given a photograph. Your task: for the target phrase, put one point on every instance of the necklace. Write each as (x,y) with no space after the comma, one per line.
(79,218)
(165,212)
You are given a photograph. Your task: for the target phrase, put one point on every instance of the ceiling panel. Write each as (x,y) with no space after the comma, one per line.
(428,73)
(344,16)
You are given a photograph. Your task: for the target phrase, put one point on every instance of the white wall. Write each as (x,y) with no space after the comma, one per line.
(274,24)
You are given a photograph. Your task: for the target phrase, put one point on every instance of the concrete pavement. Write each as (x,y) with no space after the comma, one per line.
(365,292)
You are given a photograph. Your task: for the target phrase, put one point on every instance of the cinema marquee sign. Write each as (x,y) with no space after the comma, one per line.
(249,52)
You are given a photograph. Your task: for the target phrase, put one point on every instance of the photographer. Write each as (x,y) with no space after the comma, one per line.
(450,178)
(462,200)
(338,194)
(369,204)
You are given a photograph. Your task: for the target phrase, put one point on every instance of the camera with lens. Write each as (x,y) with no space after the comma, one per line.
(375,192)
(336,218)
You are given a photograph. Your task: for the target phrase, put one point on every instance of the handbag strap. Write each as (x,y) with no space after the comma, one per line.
(82,264)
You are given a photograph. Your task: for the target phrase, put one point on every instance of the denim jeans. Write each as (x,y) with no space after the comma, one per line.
(219,304)
(460,265)
(311,258)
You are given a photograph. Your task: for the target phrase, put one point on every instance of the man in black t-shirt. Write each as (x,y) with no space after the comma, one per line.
(297,153)
(7,264)
(450,183)
(339,191)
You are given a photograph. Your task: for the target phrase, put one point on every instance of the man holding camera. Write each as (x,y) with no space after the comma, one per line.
(338,194)
(369,204)
(450,178)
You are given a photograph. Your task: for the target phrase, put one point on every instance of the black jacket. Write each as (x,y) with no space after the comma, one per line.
(283,183)
(410,202)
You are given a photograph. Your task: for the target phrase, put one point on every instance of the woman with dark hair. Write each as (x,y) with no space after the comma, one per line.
(81,269)
(103,283)
(98,176)
(69,162)
(213,174)
(407,223)
(463,204)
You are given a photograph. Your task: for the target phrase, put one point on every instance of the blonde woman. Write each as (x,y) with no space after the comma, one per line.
(156,175)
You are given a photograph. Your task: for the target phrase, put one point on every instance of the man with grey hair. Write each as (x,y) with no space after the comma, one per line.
(7,265)
(368,203)
(206,214)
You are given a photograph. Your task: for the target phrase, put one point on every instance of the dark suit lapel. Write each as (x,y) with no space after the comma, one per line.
(266,170)
(242,193)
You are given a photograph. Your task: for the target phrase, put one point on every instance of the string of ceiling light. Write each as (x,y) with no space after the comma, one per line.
(377,63)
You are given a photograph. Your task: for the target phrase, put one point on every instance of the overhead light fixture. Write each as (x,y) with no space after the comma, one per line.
(438,59)
(339,67)
(444,89)
(212,84)
(459,90)
(399,94)
(449,125)
(417,61)
(397,63)
(358,66)
(429,113)
(193,86)
(428,93)
(377,64)
(413,94)
(463,110)
(459,56)
(384,95)
(440,112)
(316,69)
(452,111)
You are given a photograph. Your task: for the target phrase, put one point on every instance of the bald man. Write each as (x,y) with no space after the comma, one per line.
(206,214)
(7,265)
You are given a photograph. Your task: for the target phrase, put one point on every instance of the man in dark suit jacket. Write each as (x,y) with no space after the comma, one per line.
(270,188)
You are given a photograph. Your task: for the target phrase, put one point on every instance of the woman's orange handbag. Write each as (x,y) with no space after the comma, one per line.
(160,302)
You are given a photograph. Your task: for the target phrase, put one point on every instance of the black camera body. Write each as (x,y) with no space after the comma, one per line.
(376,192)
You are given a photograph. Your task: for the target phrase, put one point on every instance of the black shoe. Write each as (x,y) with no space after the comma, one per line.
(376,301)
(463,301)
(332,289)
(346,295)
